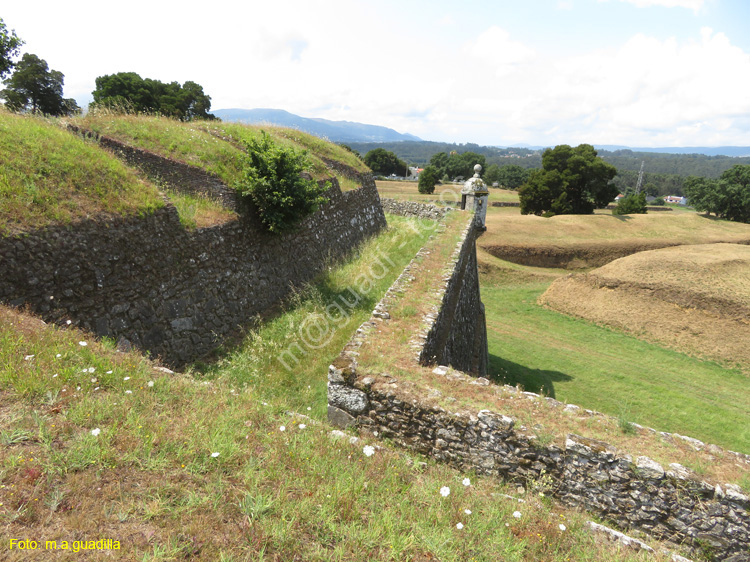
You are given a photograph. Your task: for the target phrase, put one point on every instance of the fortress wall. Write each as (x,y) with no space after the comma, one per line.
(148,282)
(673,504)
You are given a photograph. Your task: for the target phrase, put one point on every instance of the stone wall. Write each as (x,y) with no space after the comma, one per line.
(674,504)
(175,293)
(456,334)
(413,209)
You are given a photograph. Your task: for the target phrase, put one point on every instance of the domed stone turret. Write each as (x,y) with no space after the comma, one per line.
(474,196)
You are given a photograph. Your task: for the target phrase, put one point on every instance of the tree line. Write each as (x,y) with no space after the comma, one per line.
(31,86)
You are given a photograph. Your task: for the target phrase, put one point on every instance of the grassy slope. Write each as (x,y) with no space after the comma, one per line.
(213,146)
(221,470)
(48,176)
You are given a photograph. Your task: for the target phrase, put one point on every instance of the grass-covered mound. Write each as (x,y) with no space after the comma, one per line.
(580,241)
(215,147)
(49,176)
(695,299)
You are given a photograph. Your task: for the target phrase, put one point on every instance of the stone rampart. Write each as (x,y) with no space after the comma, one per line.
(148,282)
(673,504)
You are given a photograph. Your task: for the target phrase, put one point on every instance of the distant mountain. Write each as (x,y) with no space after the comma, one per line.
(733,151)
(336,131)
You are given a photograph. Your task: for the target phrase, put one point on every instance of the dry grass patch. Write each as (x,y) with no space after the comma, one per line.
(695,299)
(580,241)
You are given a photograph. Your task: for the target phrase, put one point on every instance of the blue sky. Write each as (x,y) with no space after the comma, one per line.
(540,72)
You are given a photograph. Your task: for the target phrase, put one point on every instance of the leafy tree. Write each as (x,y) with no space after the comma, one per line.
(428,179)
(34,87)
(128,90)
(509,176)
(633,204)
(10,46)
(571,181)
(384,162)
(457,165)
(273,180)
(727,198)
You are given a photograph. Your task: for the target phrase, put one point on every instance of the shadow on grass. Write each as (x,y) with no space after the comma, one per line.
(531,380)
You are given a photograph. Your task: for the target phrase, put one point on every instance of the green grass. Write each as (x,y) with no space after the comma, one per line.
(318,317)
(197,211)
(580,363)
(49,176)
(216,147)
(236,462)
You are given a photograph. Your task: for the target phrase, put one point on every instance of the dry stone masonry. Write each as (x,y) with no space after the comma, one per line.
(149,283)
(633,492)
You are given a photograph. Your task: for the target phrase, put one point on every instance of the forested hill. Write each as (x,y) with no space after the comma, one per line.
(678,164)
(419,153)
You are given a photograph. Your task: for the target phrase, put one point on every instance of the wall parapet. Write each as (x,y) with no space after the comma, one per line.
(671,504)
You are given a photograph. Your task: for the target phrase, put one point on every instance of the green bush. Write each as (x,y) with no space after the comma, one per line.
(273,181)
(631,205)
(428,179)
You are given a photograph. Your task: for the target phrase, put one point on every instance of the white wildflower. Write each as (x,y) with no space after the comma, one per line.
(126,379)
(459,526)
(562,527)
(282,428)
(466,482)
(128,392)
(214,455)
(467,511)
(95,432)
(517,514)
(150,384)
(445,491)
(302,426)
(82,343)
(368,450)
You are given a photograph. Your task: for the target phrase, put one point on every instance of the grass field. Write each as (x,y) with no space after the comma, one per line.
(595,367)
(233,463)
(450,193)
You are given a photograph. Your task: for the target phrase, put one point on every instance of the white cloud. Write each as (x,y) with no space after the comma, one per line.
(694,5)
(645,92)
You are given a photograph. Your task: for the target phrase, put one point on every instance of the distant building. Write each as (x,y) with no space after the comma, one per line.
(414,172)
(675,199)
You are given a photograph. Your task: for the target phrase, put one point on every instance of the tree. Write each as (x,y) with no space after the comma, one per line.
(127,90)
(10,46)
(509,176)
(457,165)
(571,181)
(34,87)
(273,180)
(633,204)
(727,198)
(385,163)
(428,178)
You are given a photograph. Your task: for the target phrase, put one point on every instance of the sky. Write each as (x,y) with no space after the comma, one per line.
(641,73)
